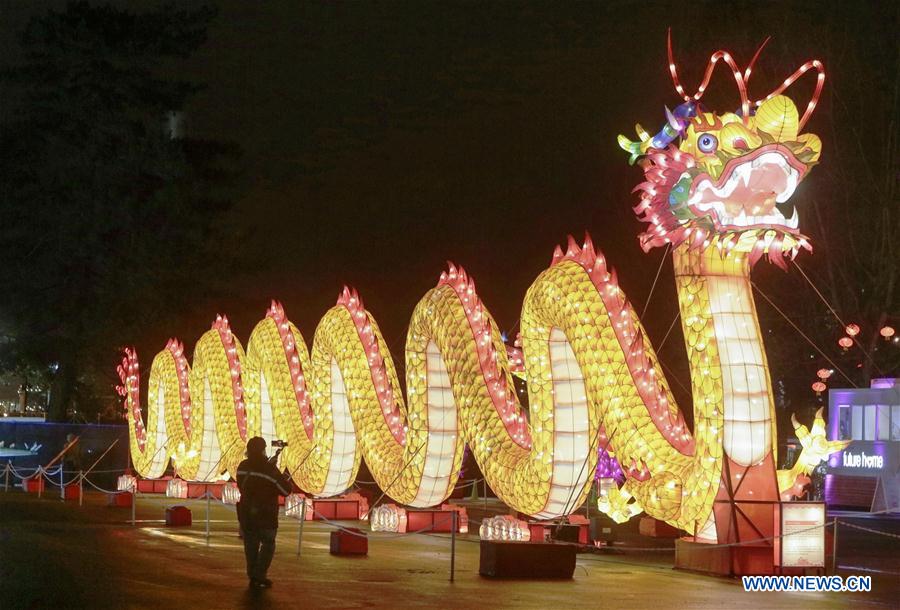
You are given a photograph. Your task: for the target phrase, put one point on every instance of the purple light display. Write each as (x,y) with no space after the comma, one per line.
(608,468)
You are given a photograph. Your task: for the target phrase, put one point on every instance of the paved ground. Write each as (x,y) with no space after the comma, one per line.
(55,554)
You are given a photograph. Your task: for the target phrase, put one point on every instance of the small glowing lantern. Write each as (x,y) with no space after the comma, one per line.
(819,387)
(852,330)
(887,332)
(126,482)
(824,374)
(845,342)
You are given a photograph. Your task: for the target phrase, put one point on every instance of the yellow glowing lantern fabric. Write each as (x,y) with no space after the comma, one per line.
(720,199)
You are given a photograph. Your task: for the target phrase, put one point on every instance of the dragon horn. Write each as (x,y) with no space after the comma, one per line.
(749,69)
(632,148)
(673,121)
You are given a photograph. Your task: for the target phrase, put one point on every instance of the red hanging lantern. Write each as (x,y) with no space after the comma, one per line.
(852,330)
(819,387)
(824,374)
(887,332)
(846,343)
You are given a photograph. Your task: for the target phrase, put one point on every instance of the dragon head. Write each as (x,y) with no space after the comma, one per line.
(727,179)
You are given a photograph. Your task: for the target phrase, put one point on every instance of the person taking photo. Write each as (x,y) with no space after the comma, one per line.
(260,484)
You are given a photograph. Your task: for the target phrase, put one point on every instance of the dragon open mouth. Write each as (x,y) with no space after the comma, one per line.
(752,191)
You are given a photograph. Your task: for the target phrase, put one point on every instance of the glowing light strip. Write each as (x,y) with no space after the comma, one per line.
(503,397)
(713,60)
(820,82)
(298,379)
(176,348)
(351,301)
(234,364)
(130,374)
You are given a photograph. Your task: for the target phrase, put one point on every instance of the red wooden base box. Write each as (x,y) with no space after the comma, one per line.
(346,543)
(196,490)
(153,486)
(34,485)
(120,500)
(347,510)
(572,532)
(177,516)
(430,520)
(71,492)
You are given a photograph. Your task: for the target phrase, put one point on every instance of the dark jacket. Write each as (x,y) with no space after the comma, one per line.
(260,484)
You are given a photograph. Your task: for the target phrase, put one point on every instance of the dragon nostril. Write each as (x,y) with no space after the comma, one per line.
(740,144)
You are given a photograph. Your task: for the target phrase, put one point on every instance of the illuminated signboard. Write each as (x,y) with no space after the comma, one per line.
(850,459)
(802,542)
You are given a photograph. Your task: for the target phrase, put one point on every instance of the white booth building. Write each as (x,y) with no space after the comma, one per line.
(865,475)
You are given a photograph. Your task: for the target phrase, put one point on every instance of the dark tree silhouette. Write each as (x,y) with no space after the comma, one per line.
(106,212)
(852,211)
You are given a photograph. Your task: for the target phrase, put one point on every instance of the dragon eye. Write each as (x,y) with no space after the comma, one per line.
(707,143)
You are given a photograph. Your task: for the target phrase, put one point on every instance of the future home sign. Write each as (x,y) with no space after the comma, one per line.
(862,460)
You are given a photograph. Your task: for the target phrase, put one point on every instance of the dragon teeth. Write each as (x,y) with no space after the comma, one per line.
(786,194)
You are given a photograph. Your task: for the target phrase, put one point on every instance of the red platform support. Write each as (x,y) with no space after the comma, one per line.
(34,484)
(746,510)
(577,530)
(120,500)
(333,509)
(71,492)
(198,490)
(153,486)
(349,507)
(178,516)
(437,519)
(349,541)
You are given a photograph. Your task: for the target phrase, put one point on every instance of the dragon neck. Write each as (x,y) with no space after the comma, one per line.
(728,361)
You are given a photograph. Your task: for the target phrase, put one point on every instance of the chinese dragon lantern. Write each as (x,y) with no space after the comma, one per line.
(717,189)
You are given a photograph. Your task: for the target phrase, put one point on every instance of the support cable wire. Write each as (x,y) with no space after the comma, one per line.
(837,317)
(802,334)
(658,271)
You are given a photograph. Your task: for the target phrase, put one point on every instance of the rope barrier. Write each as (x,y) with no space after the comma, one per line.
(34,473)
(370,534)
(9,468)
(64,483)
(869,529)
(107,491)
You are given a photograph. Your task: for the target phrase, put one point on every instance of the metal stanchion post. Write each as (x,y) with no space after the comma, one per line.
(133,502)
(6,482)
(62,484)
(80,488)
(834,548)
(207,516)
(453,545)
(302,521)
(40,481)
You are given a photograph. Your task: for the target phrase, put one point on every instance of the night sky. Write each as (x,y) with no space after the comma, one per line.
(382,139)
